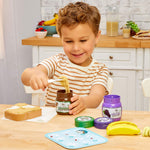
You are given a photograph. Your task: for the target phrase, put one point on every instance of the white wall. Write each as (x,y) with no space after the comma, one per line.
(20,18)
(136,10)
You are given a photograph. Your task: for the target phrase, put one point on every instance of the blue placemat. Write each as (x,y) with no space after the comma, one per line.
(76,138)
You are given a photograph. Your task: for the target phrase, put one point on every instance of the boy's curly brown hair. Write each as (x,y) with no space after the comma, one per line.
(78,13)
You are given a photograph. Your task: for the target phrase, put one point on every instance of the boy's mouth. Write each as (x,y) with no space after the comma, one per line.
(77,55)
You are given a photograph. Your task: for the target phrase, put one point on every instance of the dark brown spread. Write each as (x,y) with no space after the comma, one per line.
(63,100)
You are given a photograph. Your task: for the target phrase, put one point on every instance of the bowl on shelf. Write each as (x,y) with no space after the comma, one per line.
(41,34)
(50,30)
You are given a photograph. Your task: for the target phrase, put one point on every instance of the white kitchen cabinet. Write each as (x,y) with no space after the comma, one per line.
(125,65)
(128,67)
(124,85)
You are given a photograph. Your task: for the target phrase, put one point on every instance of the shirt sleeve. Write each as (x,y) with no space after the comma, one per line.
(102,77)
(50,64)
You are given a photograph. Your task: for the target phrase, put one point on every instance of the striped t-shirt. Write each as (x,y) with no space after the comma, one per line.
(81,79)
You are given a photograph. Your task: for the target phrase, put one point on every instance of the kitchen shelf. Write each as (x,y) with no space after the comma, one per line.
(105,41)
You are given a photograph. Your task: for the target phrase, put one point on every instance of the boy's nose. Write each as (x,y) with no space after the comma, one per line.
(76,47)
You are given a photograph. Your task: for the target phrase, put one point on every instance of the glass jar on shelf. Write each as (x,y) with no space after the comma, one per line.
(112,20)
(126,31)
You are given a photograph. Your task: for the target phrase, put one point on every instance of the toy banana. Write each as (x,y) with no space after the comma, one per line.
(53,24)
(122,128)
(52,21)
(146,132)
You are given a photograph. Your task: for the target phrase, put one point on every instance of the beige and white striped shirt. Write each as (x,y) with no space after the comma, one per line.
(81,79)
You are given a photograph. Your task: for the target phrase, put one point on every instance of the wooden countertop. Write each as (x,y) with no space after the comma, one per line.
(24,135)
(105,41)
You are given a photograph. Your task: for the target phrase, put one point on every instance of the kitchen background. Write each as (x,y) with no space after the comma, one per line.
(136,10)
(19,20)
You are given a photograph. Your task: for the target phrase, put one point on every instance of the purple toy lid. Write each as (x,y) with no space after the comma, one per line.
(111,98)
(102,122)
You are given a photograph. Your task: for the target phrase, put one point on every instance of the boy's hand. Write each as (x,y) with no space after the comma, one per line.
(39,80)
(77,105)
(36,77)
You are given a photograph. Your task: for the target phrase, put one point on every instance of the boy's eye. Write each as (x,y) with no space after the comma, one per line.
(68,41)
(83,40)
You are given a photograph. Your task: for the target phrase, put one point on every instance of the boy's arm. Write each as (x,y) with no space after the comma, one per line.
(36,77)
(93,100)
(95,97)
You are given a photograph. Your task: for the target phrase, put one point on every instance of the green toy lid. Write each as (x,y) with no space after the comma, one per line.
(84,121)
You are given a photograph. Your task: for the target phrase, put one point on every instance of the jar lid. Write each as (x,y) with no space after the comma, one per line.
(84,121)
(111,98)
(102,122)
(112,9)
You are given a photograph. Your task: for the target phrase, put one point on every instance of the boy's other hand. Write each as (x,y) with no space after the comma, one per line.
(77,105)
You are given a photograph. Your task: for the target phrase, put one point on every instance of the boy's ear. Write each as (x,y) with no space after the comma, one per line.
(98,36)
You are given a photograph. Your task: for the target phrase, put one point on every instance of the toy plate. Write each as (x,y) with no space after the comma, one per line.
(76,138)
(140,38)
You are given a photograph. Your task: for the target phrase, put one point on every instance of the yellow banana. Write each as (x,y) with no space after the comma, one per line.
(55,15)
(52,21)
(53,24)
(121,122)
(122,128)
(49,22)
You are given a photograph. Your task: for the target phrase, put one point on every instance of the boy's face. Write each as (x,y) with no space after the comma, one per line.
(79,43)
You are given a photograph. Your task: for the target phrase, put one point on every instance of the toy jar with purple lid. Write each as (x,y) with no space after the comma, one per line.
(112,107)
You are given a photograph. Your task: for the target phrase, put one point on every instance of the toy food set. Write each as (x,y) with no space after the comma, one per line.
(112,107)
(122,128)
(22,111)
(146,132)
(75,138)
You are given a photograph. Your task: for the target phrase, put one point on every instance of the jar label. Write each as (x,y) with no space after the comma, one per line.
(62,107)
(112,112)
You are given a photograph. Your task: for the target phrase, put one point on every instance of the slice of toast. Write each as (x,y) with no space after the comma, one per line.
(22,111)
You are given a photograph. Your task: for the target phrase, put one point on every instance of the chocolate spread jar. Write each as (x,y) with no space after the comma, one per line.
(63,100)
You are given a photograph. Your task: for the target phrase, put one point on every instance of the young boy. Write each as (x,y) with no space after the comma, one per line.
(78,27)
